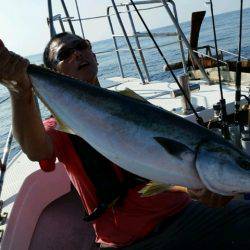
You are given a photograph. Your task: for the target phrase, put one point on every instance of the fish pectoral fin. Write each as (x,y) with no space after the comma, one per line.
(154,188)
(172,147)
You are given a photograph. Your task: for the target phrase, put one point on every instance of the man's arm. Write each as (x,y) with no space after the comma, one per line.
(27,125)
(209,198)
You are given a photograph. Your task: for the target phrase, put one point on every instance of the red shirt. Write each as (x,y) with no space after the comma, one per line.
(120,225)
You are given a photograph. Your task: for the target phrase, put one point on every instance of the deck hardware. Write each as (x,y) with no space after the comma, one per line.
(188,88)
(3,218)
(192,87)
(238,68)
(224,123)
(1,234)
(186,109)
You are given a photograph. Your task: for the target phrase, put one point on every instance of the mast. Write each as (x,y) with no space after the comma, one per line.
(50,20)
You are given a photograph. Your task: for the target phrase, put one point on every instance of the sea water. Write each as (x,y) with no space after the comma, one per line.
(227,26)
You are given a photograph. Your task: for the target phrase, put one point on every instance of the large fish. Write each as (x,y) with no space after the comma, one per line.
(142,138)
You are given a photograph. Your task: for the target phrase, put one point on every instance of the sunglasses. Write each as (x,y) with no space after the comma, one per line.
(66,51)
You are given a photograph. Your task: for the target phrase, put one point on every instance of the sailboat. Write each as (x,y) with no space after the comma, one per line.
(41,210)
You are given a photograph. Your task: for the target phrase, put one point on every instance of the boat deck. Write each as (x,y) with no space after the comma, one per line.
(60,225)
(159,94)
(17,171)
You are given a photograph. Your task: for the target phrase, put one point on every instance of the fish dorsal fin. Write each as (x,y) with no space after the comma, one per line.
(172,147)
(131,93)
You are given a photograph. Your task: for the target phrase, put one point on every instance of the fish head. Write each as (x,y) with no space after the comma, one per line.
(223,168)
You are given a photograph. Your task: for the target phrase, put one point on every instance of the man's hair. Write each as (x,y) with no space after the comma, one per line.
(46,60)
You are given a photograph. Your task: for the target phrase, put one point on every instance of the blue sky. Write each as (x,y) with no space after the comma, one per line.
(23,26)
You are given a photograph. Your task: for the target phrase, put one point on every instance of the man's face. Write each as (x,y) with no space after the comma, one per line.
(73,57)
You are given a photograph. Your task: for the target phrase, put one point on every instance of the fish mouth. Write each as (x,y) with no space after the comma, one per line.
(83,65)
(243,163)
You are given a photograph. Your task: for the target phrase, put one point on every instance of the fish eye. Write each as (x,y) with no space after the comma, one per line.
(244,164)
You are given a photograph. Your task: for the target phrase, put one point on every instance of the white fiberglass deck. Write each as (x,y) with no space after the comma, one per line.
(27,191)
(158,94)
(18,169)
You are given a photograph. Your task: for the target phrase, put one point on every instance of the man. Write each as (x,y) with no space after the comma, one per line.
(120,216)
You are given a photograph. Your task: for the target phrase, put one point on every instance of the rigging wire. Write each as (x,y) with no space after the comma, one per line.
(238,68)
(4,100)
(198,118)
(225,129)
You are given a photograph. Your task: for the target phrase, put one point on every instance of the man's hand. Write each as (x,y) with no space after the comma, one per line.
(13,71)
(208,198)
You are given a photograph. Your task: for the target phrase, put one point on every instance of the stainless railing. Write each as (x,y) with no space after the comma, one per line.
(221,51)
(142,71)
(7,148)
(6,153)
(8,143)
